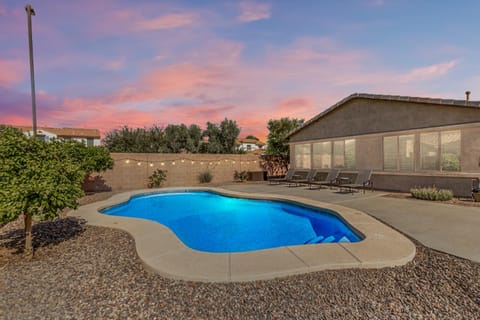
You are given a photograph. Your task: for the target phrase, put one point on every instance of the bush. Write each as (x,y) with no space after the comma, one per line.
(157,178)
(242,175)
(432,194)
(205,177)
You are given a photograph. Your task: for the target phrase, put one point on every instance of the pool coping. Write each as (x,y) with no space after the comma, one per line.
(162,252)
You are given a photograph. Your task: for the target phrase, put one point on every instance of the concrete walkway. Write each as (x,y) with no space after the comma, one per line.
(449,228)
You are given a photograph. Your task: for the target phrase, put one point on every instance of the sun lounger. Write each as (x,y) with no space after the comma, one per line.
(284,179)
(301,177)
(363,180)
(320,180)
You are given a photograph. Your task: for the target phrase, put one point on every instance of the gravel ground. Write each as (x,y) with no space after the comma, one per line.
(86,272)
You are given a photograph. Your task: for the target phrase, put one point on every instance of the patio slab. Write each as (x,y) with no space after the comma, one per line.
(162,252)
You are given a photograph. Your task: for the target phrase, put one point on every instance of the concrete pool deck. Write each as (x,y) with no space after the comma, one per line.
(162,252)
(445,227)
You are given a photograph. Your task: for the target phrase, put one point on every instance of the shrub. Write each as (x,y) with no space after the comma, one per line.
(205,177)
(432,194)
(242,175)
(157,178)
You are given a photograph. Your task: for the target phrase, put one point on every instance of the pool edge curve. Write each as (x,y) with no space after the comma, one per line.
(162,252)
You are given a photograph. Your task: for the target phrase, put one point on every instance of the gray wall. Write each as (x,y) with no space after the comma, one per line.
(365,116)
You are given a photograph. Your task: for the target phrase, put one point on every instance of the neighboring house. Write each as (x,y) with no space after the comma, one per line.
(406,141)
(91,137)
(250,144)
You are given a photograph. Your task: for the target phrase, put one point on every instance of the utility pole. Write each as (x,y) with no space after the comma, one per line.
(31,12)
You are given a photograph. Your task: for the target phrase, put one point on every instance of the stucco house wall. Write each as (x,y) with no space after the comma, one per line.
(369,118)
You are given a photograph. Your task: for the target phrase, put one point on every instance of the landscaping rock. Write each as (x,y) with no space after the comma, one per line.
(87,272)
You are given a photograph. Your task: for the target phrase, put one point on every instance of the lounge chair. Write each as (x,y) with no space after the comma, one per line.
(363,180)
(301,177)
(285,178)
(319,178)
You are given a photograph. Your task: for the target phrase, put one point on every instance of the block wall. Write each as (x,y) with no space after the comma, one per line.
(131,170)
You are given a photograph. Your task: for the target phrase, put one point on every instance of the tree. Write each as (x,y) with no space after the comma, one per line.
(176,137)
(91,159)
(36,179)
(222,137)
(277,144)
(214,145)
(151,140)
(229,132)
(194,138)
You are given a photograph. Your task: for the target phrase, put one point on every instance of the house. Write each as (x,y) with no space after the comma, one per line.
(91,137)
(406,141)
(248,145)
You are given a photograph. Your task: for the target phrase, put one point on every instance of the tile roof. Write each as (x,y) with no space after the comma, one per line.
(436,101)
(67,132)
(254,141)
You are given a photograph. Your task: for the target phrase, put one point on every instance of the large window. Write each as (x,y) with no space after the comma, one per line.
(350,154)
(450,150)
(398,153)
(440,151)
(390,150)
(344,154)
(302,156)
(322,155)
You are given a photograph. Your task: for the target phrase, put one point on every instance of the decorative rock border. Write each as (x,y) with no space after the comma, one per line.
(162,252)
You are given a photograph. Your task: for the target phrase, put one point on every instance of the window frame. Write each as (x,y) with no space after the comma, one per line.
(397,153)
(440,151)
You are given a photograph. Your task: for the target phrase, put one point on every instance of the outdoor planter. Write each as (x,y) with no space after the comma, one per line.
(476,195)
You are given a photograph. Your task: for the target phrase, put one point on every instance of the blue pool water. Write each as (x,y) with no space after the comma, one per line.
(211,222)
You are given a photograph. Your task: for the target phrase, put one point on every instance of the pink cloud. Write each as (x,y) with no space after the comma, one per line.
(168,21)
(428,72)
(295,107)
(253,11)
(215,82)
(12,72)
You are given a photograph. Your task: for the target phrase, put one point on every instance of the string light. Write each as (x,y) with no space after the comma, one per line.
(174,162)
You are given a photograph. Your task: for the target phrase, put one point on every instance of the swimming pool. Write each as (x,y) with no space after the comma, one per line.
(211,222)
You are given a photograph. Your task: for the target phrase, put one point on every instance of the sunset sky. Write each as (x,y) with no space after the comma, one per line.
(104,64)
